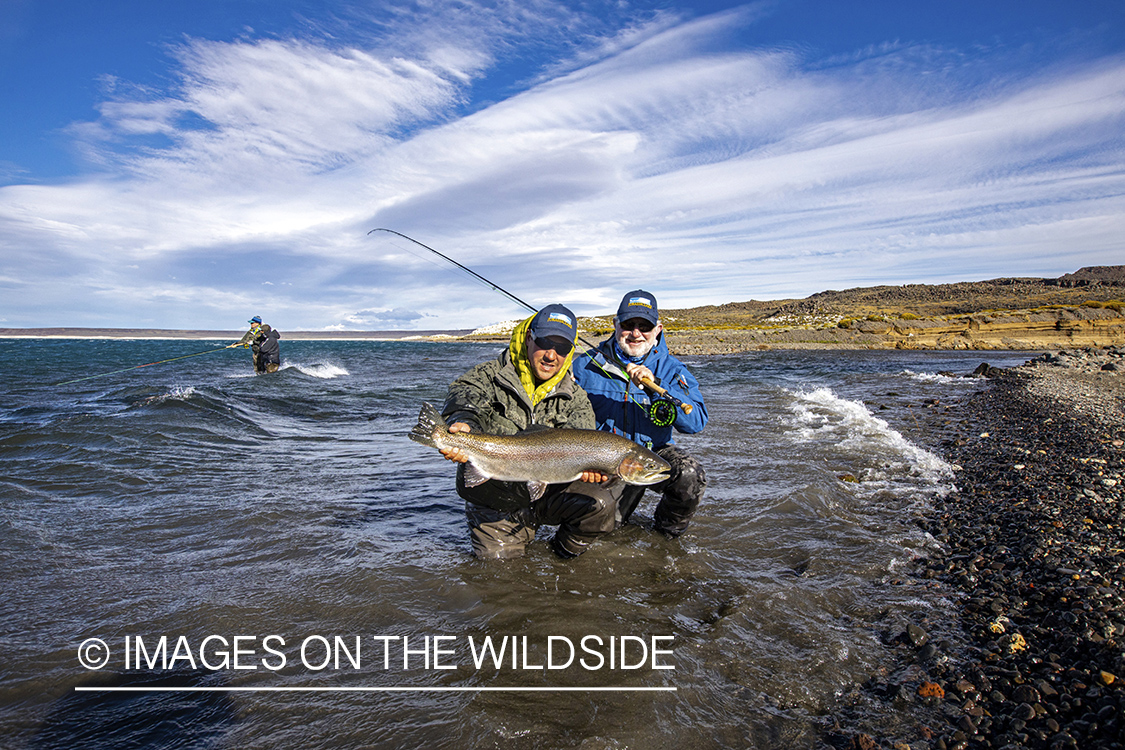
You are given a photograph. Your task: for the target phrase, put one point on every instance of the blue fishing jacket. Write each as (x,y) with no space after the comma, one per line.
(622,408)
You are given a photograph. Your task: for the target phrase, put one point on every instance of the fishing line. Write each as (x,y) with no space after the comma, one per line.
(137,367)
(437,263)
(658,412)
(468,270)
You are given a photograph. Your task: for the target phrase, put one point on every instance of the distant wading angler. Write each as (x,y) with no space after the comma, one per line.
(263,343)
(528,385)
(612,377)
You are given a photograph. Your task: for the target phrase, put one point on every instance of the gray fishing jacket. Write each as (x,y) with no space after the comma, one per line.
(490,399)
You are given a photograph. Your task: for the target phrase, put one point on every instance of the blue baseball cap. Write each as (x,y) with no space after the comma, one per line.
(554,320)
(638,304)
(255,319)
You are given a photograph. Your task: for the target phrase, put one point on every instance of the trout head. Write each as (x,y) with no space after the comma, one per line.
(642,466)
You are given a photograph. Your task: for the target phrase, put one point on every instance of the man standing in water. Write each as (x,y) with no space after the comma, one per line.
(530,383)
(269,350)
(263,343)
(612,375)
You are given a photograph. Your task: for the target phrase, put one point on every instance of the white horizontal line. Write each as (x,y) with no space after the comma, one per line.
(134,689)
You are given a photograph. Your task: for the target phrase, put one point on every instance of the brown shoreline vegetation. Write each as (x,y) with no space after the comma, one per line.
(1035,568)
(1081,309)
(1076,310)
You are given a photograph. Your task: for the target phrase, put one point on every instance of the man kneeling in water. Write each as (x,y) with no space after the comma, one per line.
(269,350)
(613,376)
(528,384)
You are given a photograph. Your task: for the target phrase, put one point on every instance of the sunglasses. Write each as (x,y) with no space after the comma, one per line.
(561,347)
(637,323)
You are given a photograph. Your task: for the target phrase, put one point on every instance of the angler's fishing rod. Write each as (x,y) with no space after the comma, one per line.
(147,364)
(687,408)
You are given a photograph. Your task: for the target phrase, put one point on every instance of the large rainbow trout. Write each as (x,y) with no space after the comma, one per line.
(544,456)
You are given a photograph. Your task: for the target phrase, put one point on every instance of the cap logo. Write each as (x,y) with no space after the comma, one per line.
(640,302)
(557,317)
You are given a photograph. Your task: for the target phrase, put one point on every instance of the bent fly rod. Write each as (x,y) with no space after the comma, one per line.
(650,385)
(137,367)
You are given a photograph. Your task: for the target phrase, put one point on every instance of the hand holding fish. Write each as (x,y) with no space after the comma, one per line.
(453,453)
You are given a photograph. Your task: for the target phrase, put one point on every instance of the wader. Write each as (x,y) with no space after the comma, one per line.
(682,492)
(503,520)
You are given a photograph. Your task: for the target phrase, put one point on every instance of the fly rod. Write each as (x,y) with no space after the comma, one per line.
(147,364)
(650,385)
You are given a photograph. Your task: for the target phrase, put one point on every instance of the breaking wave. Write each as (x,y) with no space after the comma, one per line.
(820,415)
(322,370)
(935,377)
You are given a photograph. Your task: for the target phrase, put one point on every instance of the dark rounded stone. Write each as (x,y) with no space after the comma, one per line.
(918,637)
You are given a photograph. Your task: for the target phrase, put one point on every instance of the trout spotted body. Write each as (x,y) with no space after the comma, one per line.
(544,456)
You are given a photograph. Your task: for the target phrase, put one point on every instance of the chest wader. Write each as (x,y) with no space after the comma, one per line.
(680,493)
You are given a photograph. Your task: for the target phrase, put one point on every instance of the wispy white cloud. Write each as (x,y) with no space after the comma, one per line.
(656,152)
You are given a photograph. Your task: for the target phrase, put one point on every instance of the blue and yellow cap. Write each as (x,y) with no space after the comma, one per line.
(554,320)
(638,304)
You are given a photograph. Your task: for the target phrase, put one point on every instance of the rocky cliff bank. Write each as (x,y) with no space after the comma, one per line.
(1059,327)
(1077,310)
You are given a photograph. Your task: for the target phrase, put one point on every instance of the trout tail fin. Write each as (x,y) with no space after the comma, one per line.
(429,423)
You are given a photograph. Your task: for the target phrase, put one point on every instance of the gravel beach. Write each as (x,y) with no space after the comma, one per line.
(1035,566)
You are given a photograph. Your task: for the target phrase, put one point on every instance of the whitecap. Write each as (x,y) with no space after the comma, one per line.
(820,415)
(323,370)
(177,393)
(934,377)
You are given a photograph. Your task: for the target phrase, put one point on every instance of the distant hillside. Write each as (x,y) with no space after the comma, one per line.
(1096,284)
(1083,308)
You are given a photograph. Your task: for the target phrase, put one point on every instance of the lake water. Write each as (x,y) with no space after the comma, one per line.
(308,569)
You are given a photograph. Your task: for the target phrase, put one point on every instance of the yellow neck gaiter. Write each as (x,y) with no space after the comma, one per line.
(517,348)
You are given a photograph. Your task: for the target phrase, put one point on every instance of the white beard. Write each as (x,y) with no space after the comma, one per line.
(636,350)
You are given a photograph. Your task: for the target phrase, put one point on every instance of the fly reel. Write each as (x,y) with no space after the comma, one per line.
(662,412)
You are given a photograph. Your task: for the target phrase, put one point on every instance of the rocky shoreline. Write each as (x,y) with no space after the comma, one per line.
(1035,566)
(1012,330)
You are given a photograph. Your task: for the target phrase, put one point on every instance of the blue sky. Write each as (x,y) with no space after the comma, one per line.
(189,164)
